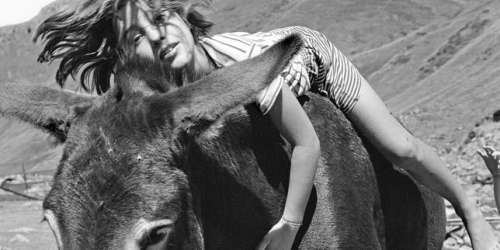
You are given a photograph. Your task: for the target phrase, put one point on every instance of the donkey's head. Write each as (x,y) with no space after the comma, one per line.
(122,180)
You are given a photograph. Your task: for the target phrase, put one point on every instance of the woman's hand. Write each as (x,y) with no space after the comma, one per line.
(280,237)
(491,158)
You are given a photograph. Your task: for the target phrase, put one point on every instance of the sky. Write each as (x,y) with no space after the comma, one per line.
(18,11)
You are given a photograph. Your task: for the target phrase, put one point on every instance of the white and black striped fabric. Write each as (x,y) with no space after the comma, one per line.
(319,65)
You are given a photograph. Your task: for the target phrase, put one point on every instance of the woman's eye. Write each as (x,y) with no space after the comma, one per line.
(160,19)
(138,38)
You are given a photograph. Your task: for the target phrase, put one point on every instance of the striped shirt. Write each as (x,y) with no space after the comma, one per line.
(318,66)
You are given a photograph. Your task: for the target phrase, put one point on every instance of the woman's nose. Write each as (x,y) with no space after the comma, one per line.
(155,33)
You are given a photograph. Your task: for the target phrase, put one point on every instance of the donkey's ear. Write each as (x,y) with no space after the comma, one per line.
(197,105)
(46,108)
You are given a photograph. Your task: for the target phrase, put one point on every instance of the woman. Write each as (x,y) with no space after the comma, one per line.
(176,34)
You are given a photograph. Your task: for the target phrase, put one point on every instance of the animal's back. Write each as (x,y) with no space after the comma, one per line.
(362,202)
(359,200)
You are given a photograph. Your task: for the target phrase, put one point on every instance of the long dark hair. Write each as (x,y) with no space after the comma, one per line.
(86,42)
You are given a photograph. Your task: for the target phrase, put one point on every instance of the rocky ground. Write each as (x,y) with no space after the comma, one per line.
(22,228)
(465,163)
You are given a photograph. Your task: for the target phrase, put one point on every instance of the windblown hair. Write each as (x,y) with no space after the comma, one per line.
(86,42)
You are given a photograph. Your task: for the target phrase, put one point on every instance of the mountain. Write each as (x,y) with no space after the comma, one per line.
(444,77)
(433,62)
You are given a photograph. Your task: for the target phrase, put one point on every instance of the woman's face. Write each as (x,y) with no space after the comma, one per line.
(158,35)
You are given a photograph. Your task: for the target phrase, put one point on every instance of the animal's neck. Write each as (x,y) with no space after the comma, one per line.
(201,64)
(242,182)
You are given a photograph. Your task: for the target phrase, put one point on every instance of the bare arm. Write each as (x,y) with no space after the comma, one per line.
(293,123)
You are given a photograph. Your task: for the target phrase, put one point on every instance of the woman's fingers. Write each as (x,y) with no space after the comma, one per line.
(491,158)
(496,155)
(485,156)
(481,153)
(489,149)
(492,152)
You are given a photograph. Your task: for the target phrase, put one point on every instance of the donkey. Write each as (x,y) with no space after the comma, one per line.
(199,167)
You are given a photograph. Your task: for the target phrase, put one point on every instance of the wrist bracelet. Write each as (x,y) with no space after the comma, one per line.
(292,224)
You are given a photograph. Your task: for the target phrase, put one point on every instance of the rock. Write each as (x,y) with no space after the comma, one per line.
(483,179)
(19,238)
(496,116)
(448,150)
(471,135)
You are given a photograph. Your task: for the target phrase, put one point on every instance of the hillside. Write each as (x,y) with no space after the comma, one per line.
(354,26)
(443,77)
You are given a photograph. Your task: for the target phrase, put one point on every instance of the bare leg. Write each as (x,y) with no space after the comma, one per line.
(373,118)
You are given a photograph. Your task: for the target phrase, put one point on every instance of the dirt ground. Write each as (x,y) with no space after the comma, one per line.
(22,227)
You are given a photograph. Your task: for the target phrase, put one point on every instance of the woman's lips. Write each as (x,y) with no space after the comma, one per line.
(166,51)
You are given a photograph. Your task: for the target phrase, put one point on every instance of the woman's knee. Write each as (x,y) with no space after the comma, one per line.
(407,151)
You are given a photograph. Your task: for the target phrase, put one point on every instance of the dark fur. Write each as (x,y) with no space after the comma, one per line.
(193,155)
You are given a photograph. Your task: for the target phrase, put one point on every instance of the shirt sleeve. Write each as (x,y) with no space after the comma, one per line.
(318,65)
(342,80)
(295,75)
